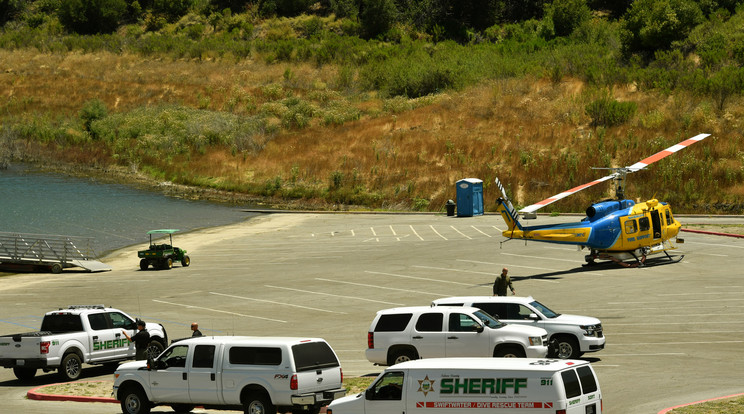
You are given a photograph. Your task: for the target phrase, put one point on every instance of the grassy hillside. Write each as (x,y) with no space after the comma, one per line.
(331,120)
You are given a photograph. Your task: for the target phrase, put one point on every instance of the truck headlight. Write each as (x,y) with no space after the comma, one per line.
(535,341)
(591,330)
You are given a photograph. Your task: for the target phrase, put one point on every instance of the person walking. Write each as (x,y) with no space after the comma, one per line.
(195,328)
(501,283)
(141,340)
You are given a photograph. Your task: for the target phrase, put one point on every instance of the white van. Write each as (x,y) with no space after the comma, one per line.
(479,386)
(569,336)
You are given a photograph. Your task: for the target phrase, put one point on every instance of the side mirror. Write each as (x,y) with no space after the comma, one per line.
(479,328)
(369,394)
(533,317)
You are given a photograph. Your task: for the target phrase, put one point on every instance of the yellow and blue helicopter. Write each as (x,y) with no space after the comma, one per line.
(617,230)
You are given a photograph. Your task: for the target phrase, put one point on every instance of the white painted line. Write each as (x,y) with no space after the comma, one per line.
(414,232)
(625,355)
(335,296)
(480,231)
(698,294)
(678,301)
(560,248)
(217,310)
(497,229)
(457,270)
(435,231)
(679,343)
(273,302)
(373,231)
(672,323)
(674,333)
(715,245)
(545,258)
(463,234)
(723,287)
(393,230)
(511,265)
(713,254)
(418,278)
(382,287)
(352,233)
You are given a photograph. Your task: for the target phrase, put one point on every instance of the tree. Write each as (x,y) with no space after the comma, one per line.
(377,16)
(92,16)
(652,25)
(567,15)
(8,8)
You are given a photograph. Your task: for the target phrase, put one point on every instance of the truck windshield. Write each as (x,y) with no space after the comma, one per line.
(61,323)
(313,355)
(545,310)
(488,320)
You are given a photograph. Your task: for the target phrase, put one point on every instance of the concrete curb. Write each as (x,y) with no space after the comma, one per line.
(666,410)
(714,233)
(38,394)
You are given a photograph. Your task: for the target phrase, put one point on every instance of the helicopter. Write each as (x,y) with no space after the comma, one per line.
(618,230)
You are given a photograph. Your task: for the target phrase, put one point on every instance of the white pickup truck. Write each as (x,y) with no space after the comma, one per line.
(70,337)
(259,375)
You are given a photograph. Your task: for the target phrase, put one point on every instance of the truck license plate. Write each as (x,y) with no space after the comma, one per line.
(20,362)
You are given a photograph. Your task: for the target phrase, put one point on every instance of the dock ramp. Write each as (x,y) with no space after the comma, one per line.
(49,251)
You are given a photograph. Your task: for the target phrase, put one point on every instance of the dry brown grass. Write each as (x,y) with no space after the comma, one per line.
(531,133)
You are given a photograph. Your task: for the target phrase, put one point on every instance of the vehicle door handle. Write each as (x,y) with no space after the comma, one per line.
(95,338)
(452,337)
(212,377)
(185,376)
(418,337)
(118,335)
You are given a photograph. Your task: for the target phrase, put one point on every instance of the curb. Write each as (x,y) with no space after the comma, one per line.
(38,394)
(714,233)
(666,410)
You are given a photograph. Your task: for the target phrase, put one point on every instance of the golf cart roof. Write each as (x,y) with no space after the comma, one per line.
(163,231)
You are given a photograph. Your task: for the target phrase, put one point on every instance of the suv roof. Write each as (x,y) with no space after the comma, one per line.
(416,309)
(502,299)
(522,364)
(257,340)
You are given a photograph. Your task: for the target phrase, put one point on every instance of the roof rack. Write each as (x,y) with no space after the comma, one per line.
(86,307)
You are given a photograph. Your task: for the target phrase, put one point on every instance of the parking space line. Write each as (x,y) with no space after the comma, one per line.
(675,333)
(274,302)
(332,295)
(381,287)
(540,257)
(393,230)
(672,323)
(418,278)
(716,245)
(218,311)
(679,343)
(463,234)
(636,355)
(414,232)
(457,270)
(435,231)
(678,301)
(480,231)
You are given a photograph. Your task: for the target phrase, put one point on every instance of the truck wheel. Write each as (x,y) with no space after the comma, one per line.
(57,268)
(144,263)
(567,348)
(166,264)
(182,408)
(24,374)
(186,261)
(154,349)
(134,401)
(258,404)
(71,367)
(401,355)
(509,351)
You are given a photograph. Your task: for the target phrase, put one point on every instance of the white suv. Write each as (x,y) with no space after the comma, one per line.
(569,335)
(401,334)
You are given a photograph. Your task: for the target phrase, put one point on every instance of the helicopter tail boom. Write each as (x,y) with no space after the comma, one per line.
(506,209)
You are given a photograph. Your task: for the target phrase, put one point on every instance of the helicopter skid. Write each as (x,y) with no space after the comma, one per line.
(636,257)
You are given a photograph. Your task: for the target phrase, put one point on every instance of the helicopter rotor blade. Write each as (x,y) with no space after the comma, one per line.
(618,172)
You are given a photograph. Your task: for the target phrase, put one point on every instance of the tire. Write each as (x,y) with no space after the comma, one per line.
(57,268)
(258,403)
(154,349)
(567,347)
(167,264)
(24,374)
(509,351)
(401,355)
(182,408)
(144,264)
(134,401)
(186,261)
(71,367)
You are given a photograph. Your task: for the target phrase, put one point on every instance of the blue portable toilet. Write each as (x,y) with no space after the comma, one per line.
(469,197)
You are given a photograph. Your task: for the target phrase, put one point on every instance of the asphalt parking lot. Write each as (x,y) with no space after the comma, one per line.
(674,332)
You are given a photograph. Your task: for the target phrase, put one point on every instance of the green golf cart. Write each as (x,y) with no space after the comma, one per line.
(162,256)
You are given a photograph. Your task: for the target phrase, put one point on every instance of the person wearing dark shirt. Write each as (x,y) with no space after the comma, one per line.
(195,328)
(141,340)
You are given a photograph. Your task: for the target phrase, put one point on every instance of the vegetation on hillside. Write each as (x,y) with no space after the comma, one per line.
(381,103)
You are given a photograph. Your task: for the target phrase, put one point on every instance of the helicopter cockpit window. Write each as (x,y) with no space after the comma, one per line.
(644,224)
(630,227)
(669,218)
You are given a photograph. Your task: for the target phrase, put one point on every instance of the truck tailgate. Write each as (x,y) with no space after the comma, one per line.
(21,346)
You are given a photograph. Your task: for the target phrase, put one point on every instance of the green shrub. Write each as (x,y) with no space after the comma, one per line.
(653,25)
(606,111)
(567,15)
(92,110)
(92,16)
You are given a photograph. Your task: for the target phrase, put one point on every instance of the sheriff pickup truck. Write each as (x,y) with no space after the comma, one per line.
(70,337)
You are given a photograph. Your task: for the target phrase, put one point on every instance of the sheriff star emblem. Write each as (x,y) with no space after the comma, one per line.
(426,385)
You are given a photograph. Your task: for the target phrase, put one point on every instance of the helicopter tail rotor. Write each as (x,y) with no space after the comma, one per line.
(507,210)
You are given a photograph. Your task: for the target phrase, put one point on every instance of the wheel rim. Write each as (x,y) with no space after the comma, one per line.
(402,358)
(510,355)
(256,407)
(132,404)
(565,350)
(72,368)
(153,351)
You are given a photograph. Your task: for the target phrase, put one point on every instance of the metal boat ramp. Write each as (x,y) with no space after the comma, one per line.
(47,252)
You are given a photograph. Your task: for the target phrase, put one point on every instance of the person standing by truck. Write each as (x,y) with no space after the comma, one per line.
(195,329)
(141,339)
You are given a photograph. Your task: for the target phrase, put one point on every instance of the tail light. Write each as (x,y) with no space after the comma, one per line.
(293,383)
(44,347)
(371,340)
(560,411)
(342,374)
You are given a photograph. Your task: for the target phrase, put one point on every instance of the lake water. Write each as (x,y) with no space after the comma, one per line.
(114,215)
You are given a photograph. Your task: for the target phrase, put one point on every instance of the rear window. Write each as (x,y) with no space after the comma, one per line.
(430,322)
(255,355)
(62,323)
(313,355)
(571,383)
(588,382)
(393,323)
